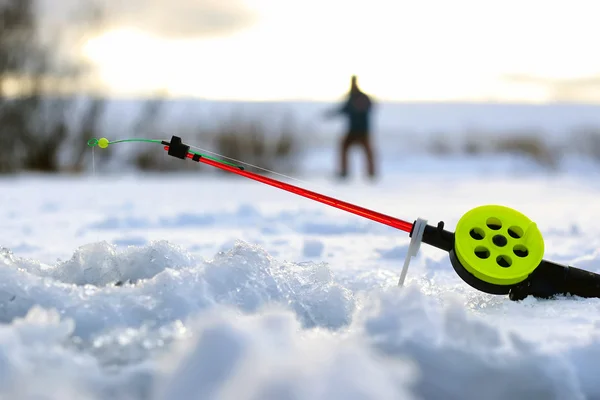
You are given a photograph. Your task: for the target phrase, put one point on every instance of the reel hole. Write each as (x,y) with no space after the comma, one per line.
(477,233)
(515,232)
(504,261)
(499,240)
(520,251)
(482,252)
(494,223)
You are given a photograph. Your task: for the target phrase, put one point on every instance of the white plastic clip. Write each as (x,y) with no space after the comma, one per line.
(413,248)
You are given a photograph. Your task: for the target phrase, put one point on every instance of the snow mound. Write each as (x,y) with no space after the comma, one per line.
(401,344)
(245,326)
(247,277)
(460,356)
(167,285)
(100,264)
(269,357)
(37,361)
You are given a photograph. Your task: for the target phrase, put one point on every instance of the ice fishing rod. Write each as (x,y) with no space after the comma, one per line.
(494,249)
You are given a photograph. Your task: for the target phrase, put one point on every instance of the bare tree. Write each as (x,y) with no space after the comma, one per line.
(36,118)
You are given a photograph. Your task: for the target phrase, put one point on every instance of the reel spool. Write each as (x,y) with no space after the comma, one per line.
(498,246)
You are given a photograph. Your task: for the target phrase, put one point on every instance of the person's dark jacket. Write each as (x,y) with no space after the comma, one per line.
(357,108)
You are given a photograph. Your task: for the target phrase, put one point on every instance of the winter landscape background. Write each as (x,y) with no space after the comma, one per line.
(129,274)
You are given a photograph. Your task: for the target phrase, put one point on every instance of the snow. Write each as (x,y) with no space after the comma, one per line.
(201,286)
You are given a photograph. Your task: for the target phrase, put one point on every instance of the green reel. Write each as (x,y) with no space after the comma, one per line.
(498,245)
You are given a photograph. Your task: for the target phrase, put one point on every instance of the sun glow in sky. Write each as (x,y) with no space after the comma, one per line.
(401,50)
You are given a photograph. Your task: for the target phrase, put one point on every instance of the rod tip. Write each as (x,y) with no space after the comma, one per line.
(102,142)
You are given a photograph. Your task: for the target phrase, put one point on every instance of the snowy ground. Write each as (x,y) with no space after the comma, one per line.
(240,291)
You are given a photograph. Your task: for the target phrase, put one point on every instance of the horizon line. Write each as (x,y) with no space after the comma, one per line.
(167,98)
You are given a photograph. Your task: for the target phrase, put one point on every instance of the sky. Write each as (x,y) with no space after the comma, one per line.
(401,50)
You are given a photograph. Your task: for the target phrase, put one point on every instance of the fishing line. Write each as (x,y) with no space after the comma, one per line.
(326,189)
(264,169)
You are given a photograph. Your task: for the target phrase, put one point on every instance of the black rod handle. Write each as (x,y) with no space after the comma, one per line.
(552,279)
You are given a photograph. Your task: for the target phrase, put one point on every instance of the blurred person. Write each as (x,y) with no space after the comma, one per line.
(357,109)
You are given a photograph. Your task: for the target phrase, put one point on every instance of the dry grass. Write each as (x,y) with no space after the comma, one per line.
(244,139)
(524,143)
(529,146)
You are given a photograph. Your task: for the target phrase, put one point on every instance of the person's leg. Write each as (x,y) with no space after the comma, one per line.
(345,146)
(366,144)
